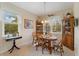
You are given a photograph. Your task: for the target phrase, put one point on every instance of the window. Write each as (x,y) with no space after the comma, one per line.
(10,24)
(56,24)
(47,27)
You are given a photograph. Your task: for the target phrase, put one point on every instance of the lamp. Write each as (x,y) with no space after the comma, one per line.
(44,21)
(68,15)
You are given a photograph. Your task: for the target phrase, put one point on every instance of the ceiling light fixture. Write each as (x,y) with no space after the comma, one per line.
(45,20)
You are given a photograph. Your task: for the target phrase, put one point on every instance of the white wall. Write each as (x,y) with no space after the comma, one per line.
(26,33)
(76,14)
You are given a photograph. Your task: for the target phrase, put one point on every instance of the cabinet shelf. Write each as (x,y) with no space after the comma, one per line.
(39,27)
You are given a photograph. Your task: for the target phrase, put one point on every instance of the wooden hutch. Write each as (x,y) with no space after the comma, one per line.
(39,26)
(68,32)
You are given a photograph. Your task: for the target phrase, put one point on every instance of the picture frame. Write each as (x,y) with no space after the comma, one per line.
(76,22)
(28,24)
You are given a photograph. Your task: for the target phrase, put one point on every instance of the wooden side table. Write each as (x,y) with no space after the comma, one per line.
(14,42)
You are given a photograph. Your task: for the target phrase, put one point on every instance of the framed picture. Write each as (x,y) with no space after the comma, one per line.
(28,24)
(76,22)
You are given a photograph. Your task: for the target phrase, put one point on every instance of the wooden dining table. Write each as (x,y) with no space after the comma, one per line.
(50,40)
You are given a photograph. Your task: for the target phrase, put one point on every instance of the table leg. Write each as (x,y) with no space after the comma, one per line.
(11,50)
(17,47)
(14,46)
(49,47)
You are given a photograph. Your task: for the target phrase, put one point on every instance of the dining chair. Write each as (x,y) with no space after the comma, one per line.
(34,38)
(45,45)
(58,46)
(49,34)
(46,42)
(40,41)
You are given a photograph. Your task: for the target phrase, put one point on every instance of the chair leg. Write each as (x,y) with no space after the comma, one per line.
(33,41)
(43,47)
(61,50)
(54,49)
(42,50)
(36,47)
(57,48)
